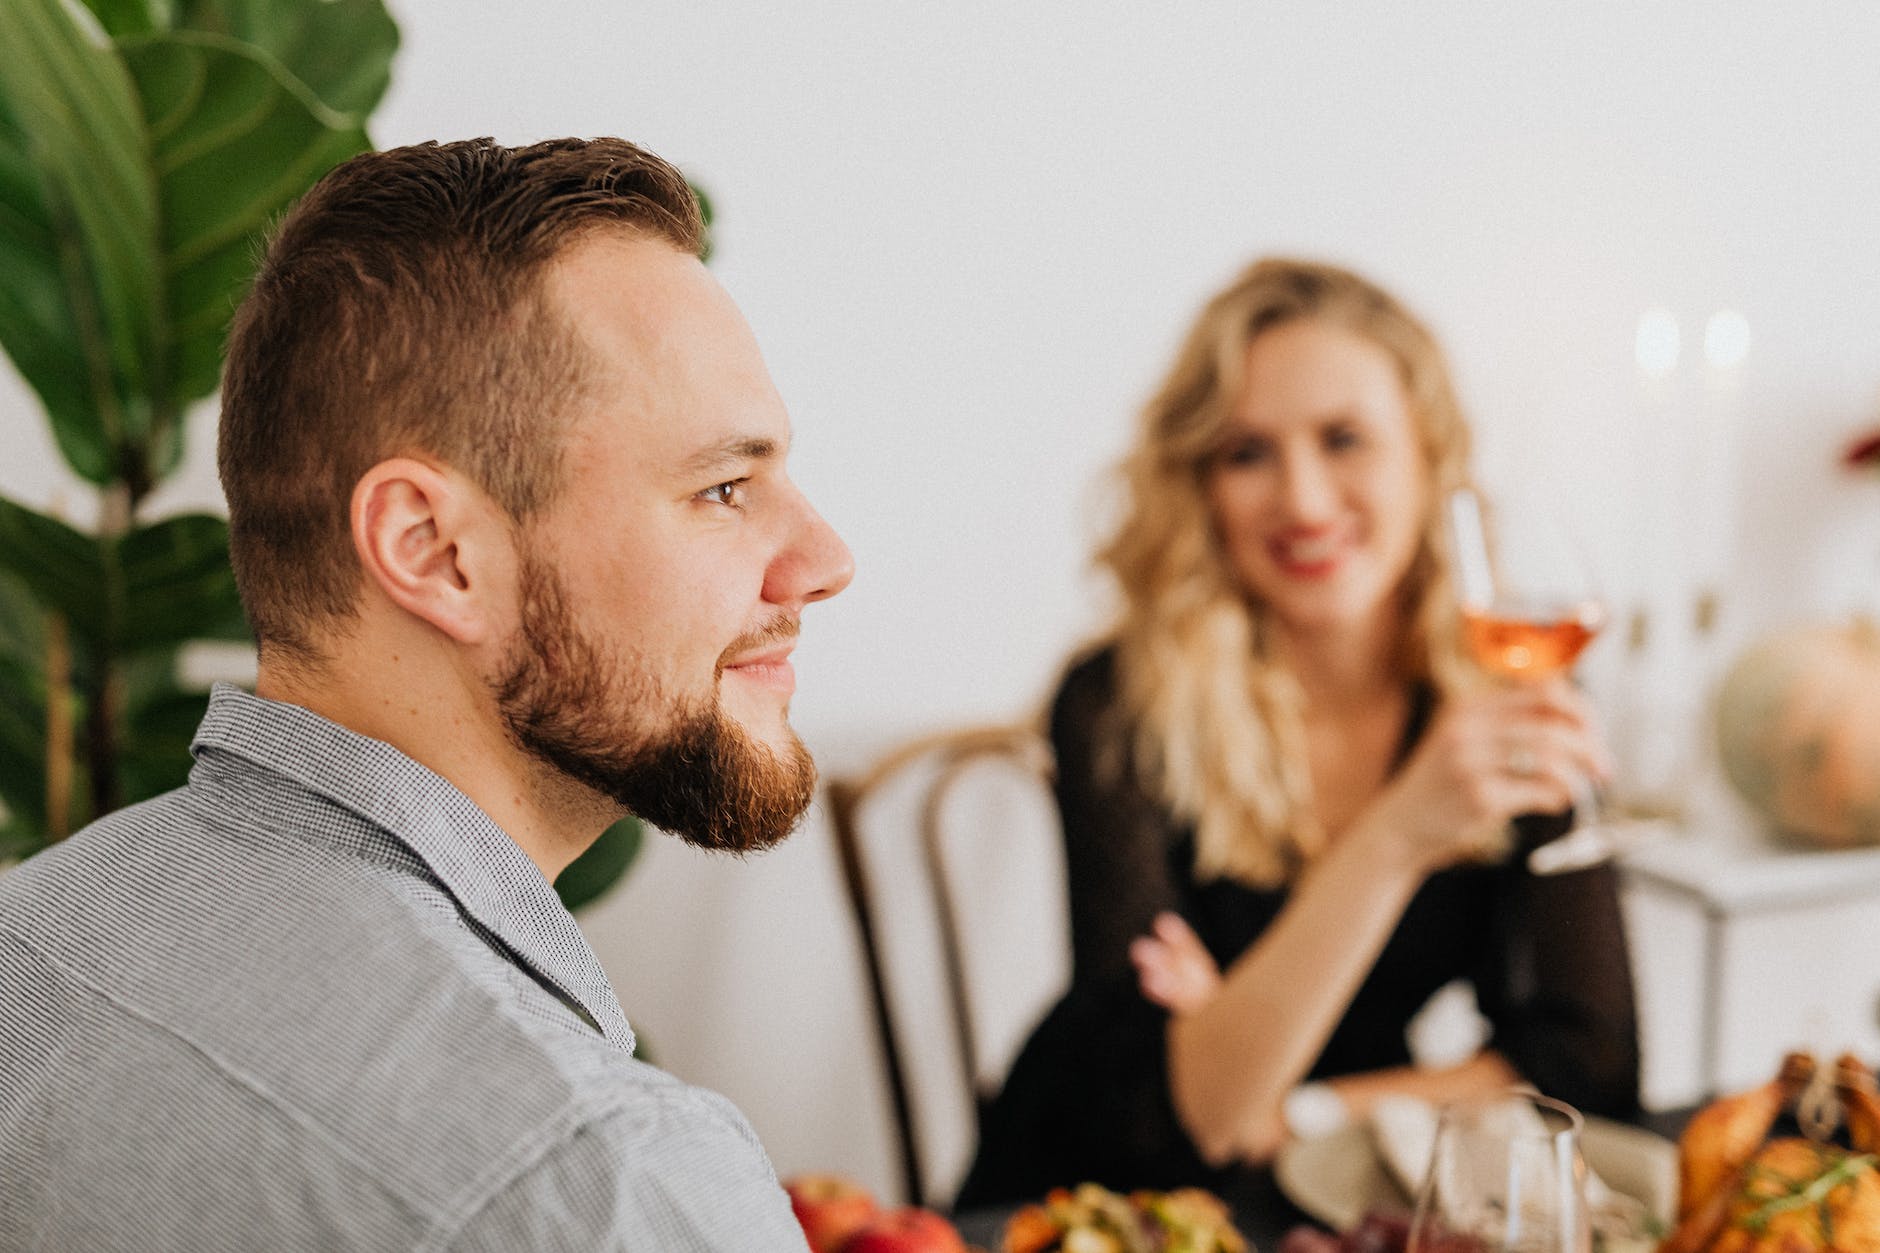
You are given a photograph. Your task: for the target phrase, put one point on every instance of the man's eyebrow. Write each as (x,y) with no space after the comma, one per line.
(730,453)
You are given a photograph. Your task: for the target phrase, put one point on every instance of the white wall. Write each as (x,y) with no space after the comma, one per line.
(969,234)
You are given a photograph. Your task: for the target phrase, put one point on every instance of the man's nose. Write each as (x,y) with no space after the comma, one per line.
(815,565)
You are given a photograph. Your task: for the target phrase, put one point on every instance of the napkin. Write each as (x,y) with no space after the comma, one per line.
(1403,1130)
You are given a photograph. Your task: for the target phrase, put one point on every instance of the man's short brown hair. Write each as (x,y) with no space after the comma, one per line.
(400,310)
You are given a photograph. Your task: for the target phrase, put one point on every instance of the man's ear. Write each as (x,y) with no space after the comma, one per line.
(435,545)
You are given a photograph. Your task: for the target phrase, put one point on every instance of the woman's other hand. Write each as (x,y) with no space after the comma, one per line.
(1490,755)
(1173,967)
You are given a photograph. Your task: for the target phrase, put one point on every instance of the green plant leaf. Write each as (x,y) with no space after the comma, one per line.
(22,621)
(235,140)
(591,874)
(134,186)
(23,722)
(37,323)
(78,234)
(177,584)
(341,50)
(155,585)
(17,840)
(23,748)
(706,212)
(22,715)
(124,18)
(153,751)
(61,567)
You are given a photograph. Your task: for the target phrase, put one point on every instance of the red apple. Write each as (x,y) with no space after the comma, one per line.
(830,1209)
(907,1230)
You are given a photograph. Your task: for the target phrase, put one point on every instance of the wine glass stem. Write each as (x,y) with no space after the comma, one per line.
(1587,843)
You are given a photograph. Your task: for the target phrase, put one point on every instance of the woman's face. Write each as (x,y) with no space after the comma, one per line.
(1317,485)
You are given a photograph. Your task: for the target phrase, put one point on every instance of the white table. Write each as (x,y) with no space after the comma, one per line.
(1747,948)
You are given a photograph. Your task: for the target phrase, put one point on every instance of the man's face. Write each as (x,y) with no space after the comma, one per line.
(660,594)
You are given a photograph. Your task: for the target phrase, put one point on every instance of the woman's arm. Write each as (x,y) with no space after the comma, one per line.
(1486,1072)
(1176,971)
(1233,1060)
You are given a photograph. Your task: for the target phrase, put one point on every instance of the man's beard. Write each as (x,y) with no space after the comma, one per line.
(687,769)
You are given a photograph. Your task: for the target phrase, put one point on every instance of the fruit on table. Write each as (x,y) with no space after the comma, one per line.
(908,1230)
(1092,1219)
(1740,1192)
(1798,732)
(829,1208)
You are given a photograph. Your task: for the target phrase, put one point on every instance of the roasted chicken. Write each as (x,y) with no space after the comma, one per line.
(1742,1192)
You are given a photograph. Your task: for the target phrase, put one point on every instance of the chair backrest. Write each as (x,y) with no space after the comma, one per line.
(953,860)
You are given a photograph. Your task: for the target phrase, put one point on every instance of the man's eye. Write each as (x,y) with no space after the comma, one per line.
(1341,438)
(728,493)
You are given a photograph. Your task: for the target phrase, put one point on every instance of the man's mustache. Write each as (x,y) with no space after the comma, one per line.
(782,627)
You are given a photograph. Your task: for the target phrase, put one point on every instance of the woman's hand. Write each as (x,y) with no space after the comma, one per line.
(1173,967)
(1490,755)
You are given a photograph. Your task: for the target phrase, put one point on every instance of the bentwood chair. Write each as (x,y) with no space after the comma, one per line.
(953,862)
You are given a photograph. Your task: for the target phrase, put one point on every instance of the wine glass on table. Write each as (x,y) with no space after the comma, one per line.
(1529,609)
(1505,1176)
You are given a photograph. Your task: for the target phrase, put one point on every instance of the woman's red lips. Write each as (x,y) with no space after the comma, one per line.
(1308,554)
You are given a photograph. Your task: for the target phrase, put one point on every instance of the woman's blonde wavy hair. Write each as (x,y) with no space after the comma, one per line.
(1217,720)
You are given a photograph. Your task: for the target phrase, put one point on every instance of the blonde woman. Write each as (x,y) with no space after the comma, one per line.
(1284,792)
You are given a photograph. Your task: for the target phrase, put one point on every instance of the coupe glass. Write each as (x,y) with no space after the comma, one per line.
(1530,606)
(1506,1176)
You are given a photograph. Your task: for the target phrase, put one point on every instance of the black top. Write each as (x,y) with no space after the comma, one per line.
(1088,1097)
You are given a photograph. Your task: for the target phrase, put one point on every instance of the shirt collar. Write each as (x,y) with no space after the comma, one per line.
(482,868)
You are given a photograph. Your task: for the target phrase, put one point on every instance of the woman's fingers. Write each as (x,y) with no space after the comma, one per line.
(1541,793)
(1547,752)
(1555,717)
(1155,972)
(1172,929)
(1539,731)
(1493,754)
(1173,968)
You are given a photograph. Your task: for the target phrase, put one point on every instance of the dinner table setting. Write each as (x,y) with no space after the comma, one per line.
(1791,1165)
(1356,1189)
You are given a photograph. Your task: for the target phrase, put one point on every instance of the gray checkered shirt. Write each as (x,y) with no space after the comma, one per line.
(316,999)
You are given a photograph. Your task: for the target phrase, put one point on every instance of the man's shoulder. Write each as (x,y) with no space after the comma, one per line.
(309,1002)
(456,1133)
(315,1025)
(664,1165)
(174,905)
